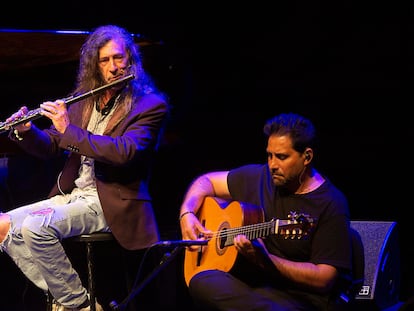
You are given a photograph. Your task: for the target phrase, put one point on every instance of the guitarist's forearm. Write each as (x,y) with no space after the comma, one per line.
(207,185)
(317,277)
(211,184)
(198,190)
(191,228)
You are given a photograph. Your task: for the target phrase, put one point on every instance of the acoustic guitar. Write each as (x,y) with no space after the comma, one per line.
(227,219)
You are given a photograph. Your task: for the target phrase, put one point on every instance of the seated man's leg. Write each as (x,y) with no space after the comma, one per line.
(218,290)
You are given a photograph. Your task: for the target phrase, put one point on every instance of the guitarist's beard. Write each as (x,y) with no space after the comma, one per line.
(282,182)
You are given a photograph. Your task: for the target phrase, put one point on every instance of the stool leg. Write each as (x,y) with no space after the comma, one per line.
(91,284)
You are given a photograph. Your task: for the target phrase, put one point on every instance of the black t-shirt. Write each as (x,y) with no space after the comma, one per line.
(329,240)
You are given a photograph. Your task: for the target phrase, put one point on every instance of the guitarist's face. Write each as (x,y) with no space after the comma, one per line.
(285,163)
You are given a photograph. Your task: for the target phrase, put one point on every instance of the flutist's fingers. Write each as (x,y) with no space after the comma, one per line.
(50,109)
(17,115)
(14,119)
(57,112)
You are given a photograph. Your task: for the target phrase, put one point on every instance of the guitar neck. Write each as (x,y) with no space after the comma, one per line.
(250,231)
(287,228)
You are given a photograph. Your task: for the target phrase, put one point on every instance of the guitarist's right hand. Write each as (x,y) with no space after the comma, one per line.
(192,229)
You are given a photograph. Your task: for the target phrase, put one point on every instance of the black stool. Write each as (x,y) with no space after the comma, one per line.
(89,240)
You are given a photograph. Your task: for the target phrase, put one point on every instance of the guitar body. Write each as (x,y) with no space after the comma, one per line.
(219,215)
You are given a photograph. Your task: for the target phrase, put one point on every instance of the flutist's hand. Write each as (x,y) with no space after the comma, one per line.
(57,112)
(22,127)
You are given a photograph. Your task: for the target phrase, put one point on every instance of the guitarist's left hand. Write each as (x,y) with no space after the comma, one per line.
(254,252)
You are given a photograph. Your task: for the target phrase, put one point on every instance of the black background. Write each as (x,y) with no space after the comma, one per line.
(228,67)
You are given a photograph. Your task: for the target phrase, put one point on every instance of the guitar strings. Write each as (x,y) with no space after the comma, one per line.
(260,230)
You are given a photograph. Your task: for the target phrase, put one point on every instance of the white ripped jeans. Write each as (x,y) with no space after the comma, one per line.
(34,242)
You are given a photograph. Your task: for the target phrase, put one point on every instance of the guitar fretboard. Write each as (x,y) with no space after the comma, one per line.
(287,228)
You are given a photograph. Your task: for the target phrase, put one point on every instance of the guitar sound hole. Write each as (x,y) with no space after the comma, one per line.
(222,238)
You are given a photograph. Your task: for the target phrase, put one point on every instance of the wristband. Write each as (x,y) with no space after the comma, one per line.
(185,213)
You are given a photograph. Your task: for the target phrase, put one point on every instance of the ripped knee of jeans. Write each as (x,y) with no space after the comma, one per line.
(5,224)
(46,213)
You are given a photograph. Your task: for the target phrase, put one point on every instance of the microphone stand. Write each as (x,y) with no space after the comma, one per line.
(135,291)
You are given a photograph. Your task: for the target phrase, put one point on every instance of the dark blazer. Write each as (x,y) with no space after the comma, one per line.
(123,158)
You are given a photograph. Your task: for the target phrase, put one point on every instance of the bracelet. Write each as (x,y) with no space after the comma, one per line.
(16,134)
(185,213)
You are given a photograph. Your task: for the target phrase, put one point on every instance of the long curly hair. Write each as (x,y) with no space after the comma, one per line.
(89,76)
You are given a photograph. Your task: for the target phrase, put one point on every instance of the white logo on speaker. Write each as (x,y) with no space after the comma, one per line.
(365,290)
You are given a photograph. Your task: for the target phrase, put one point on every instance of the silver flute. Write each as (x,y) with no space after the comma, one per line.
(36,113)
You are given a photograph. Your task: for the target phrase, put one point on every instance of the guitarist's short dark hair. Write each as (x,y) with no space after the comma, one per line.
(298,128)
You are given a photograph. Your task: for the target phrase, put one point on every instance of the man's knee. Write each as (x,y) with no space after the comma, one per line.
(204,284)
(4,226)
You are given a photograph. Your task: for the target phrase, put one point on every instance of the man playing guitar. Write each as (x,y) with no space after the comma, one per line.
(274,271)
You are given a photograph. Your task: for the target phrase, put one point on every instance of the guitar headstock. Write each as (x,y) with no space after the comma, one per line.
(296,226)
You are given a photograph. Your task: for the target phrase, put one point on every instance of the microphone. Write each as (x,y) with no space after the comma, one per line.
(183,243)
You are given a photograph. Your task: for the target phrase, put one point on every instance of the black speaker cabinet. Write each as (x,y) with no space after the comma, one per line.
(381,286)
